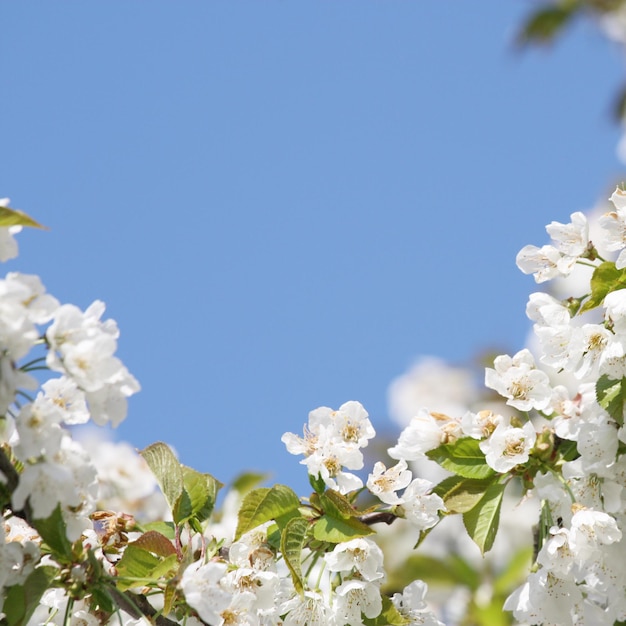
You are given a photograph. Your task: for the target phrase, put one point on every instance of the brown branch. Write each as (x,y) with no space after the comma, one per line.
(386,517)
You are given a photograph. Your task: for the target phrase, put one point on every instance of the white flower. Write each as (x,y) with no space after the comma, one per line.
(308,609)
(480,425)
(45,484)
(261,585)
(384,483)
(63,401)
(591,529)
(426,431)
(349,424)
(556,553)
(544,263)
(546,599)
(615,305)
(332,442)
(570,239)
(202,590)
(411,605)
(361,554)
(354,597)
(614,225)
(517,379)
(508,446)
(421,508)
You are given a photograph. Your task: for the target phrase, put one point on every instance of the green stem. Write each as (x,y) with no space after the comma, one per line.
(67,618)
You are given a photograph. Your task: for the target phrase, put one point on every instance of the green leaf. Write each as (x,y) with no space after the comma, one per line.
(389,616)
(611,396)
(291,542)
(101,600)
(202,490)
(182,509)
(21,601)
(463,457)
(139,566)
(54,533)
(337,530)
(337,505)
(317,483)
(165,528)
(546,23)
(606,278)
(264,504)
(482,521)
(13,217)
(168,472)
(136,564)
(462,494)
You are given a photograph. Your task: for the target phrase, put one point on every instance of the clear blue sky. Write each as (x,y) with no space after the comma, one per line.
(284,203)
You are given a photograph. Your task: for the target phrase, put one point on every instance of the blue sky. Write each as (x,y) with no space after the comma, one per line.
(283,204)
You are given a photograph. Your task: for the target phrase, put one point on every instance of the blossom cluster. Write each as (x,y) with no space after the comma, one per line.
(88,539)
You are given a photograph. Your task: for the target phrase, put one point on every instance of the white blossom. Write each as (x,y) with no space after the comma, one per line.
(508,446)
(384,483)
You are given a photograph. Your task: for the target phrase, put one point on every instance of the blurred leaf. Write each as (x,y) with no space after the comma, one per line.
(546,23)
(13,217)
(446,571)
(264,504)
(463,457)
(53,532)
(247,481)
(619,107)
(101,600)
(515,572)
(21,601)
(482,521)
(292,540)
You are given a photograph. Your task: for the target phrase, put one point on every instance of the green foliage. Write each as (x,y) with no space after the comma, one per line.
(463,458)
(54,533)
(451,570)
(22,600)
(481,522)
(190,494)
(611,396)
(146,560)
(292,541)
(462,494)
(167,470)
(333,529)
(605,279)
(247,481)
(13,217)
(546,23)
(264,504)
